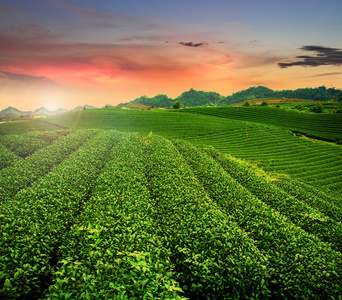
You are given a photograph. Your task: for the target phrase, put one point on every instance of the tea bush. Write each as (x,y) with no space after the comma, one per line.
(34,223)
(113,251)
(25,172)
(7,157)
(294,256)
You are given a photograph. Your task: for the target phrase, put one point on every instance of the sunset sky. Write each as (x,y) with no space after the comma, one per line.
(59,53)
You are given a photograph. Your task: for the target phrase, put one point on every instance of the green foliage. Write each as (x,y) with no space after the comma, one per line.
(337,96)
(203,240)
(199,98)
(318,108)
(26,144)
(25,172)
(249,94)
(189,99)
(177,104)
(281,241)
(321,126)
(246,104)
(7,157)
(299,107)
(36,220)
(270,132)
(326,204)
(125,216)
(319,94)
(159,100)
(114,251)
(264,103)
(300,213)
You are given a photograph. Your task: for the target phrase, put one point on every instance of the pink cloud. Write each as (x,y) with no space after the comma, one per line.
(50,52)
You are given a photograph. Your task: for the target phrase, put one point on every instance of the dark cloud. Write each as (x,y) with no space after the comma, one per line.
(191,44)
(25,78)
(30,29)
(324,56)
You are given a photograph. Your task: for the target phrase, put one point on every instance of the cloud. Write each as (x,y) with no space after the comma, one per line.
(23,77)
(326,74)
(29,79)
(324,56)
(191,44)
(30,29)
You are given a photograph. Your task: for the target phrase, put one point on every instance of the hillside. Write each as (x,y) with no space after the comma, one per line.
(326,127)
(194,98)
(116,215)
(12,111)
(269,137)
(317,94)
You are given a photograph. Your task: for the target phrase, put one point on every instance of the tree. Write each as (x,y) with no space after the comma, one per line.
(318,108)
(299,107)
(337,97)
(177,104)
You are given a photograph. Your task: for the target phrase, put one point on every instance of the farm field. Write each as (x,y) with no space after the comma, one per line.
(118,215)
(320,126)
(262,135)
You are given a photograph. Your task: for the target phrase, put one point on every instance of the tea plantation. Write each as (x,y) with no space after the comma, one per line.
(305,146)
(103,214)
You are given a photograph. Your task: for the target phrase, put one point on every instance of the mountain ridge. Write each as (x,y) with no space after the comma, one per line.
(41,111)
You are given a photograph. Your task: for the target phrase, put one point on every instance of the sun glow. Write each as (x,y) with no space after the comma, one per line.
(50,97)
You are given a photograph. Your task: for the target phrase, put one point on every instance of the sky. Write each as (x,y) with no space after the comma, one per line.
(59,53)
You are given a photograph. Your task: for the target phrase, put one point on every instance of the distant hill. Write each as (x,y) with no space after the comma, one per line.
(316,94)
(193,97)
(85,107)
(189,99)
(41,111)
(60,110)
(157,101)
(12,111)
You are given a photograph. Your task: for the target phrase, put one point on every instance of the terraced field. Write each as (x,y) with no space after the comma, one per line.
(117,215)
(320,126)
(264,140)
(276,150)
(262,135)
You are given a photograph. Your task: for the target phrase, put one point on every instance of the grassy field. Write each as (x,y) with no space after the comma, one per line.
(204,203)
